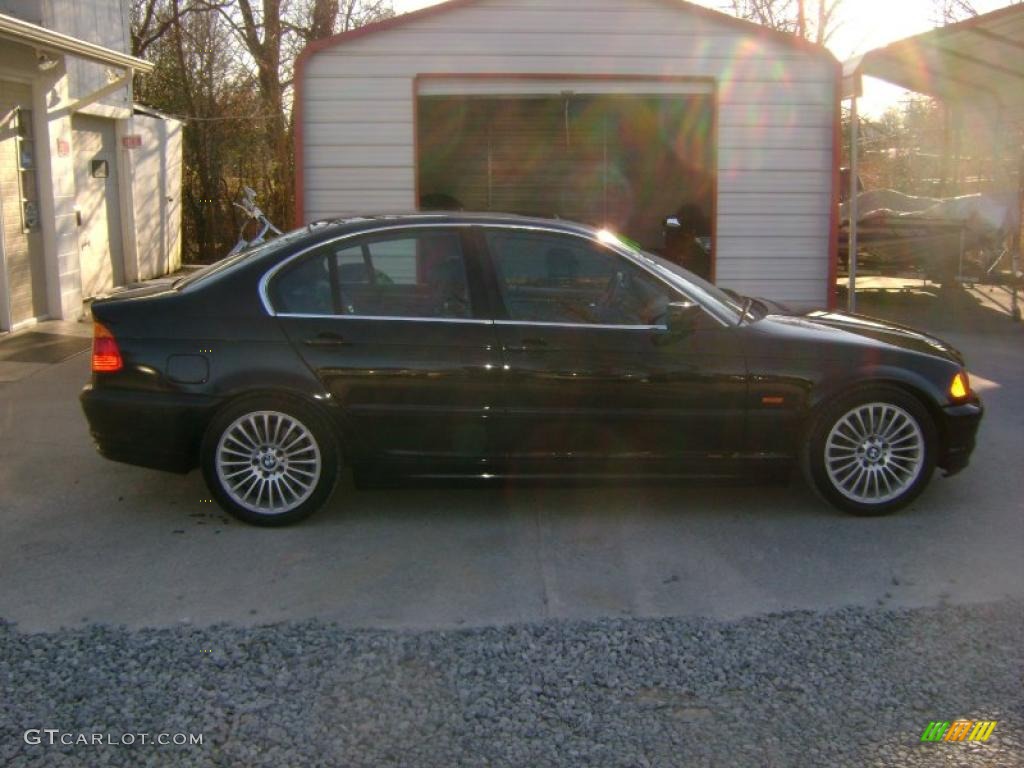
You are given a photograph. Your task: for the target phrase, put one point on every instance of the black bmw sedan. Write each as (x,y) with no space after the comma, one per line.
(499,346)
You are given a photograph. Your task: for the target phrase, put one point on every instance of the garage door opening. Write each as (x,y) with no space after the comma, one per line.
(625,161)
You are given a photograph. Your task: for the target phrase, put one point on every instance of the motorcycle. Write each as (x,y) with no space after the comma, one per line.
(253,214)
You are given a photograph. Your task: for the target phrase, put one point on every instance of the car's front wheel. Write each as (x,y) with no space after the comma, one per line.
(871,452)
(269,461)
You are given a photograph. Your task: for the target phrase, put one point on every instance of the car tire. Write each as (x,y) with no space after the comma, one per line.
(269,460)
(870,452)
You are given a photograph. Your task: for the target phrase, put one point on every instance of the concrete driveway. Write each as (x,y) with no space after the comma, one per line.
(83,540)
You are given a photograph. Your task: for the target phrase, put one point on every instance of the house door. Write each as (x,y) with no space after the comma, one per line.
(171,214)
(20,240)
(98,202)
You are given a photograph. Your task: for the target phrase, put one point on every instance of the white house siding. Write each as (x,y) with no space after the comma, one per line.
(776,107)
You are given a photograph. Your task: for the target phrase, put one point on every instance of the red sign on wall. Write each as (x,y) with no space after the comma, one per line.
(63,148)
(131,141)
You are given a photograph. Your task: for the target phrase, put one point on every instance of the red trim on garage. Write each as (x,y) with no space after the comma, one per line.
(713,275)
(416,142)
(831,289)
(298,138)
(601,77)
(747,27)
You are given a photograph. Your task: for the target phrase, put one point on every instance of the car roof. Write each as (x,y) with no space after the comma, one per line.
(370,222)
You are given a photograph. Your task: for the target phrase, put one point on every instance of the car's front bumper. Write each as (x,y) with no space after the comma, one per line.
(960,429)
(159,430)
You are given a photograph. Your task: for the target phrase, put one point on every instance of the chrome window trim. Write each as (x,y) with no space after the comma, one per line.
(615,248)
(388,318)
(597,326)
(270,273)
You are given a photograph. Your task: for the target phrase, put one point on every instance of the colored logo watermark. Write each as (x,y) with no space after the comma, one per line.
(959,730)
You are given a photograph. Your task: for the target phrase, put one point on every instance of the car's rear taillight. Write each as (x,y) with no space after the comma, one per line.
(106,357)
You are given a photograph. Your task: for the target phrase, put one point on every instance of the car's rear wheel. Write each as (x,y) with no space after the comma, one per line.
(871,452)
(269,460)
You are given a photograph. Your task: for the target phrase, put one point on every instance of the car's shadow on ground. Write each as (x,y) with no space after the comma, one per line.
(401,497)
(176,500)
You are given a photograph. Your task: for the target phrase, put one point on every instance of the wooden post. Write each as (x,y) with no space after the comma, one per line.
(947,151)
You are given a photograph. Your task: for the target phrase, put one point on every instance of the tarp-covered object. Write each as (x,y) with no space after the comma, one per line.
(975,64)
(989,217)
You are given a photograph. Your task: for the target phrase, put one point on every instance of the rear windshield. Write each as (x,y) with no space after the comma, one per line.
(228,263)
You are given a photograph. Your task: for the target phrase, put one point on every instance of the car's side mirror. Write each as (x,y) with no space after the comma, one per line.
(682,315)
(680,319)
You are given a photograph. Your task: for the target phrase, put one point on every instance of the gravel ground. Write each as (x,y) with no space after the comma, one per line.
(850,688)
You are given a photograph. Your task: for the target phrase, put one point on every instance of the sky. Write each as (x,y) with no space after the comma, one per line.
(864,25)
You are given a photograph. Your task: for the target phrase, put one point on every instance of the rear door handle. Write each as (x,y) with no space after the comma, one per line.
(326,340)
(529,345)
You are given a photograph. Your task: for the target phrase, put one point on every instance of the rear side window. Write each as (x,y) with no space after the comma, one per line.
(305,288)
(414,275)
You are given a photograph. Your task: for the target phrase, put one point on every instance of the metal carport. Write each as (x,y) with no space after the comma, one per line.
(977,63)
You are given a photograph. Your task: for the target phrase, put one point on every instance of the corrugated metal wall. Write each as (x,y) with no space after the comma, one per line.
(776,106)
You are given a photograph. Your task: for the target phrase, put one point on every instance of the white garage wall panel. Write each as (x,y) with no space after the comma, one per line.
(776,112)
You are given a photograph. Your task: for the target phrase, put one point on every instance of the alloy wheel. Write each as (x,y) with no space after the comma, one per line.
(875,453)
(268,462)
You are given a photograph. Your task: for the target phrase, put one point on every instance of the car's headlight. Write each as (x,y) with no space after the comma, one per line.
(960,387)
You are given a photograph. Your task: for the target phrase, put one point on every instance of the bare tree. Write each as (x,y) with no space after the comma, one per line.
(152,19)
(949,11)
(952,11)
(272,33)
(225,68)
(828,20)
(791,16)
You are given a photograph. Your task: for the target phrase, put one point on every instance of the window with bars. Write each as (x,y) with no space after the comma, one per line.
(27,182)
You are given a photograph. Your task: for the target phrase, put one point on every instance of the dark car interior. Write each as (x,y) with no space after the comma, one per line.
(413,276)
(571,283)
(423,275)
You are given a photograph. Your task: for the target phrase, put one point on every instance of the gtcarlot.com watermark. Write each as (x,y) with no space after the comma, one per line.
(56,737)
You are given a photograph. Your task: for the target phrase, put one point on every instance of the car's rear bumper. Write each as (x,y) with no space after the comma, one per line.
(960,429)
(159,430)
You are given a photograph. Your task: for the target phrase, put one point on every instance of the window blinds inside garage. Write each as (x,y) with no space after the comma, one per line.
(621,160)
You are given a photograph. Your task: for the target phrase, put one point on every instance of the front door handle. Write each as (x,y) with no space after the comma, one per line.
(326,340)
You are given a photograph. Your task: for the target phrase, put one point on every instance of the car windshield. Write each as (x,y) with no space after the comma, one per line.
(729,307)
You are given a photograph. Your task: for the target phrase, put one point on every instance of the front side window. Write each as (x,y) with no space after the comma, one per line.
(567,280)
(414,275)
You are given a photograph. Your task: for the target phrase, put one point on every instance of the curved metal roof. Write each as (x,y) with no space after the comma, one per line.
(979,61)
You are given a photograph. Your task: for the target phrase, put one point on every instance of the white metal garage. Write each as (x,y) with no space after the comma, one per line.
(617,114)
